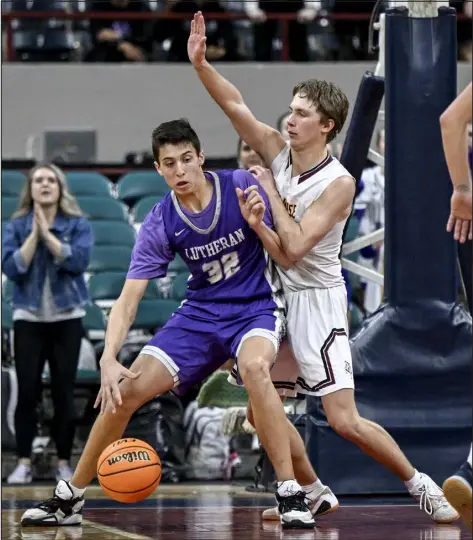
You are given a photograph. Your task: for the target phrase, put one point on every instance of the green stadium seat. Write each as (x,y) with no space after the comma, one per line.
(9,205)
(12,182)
(179,286)
(153,314)
(177,265)
(100,207)
(117,233)
(143,207)
(136,185)
(109,258)
(95,323)
(89,183)
(7,291)
(7,316)
(105,288)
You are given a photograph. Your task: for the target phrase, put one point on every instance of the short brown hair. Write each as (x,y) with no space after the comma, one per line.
(329,100)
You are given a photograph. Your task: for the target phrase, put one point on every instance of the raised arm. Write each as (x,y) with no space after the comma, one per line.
(264,140)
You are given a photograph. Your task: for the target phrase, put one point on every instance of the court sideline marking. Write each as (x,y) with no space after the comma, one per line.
(114,530)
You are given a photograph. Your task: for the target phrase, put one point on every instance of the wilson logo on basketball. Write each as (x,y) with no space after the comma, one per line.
(142,455)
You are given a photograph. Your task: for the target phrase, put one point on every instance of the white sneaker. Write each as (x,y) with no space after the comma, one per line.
(21,475)
(323,503)
(62,509)
(433,502)
(64,473)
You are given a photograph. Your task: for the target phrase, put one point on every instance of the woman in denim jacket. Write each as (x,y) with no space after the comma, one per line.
(45,252)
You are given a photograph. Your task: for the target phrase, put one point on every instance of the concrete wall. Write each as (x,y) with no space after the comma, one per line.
(125,103)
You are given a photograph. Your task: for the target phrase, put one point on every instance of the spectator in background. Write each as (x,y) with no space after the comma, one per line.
(222,42)
(45,252)
(246,156)
(352,35)
(464,29)
(122,40)
(265,31)
(369,208)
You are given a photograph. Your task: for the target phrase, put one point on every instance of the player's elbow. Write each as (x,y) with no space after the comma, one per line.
(294,254)
(448,120)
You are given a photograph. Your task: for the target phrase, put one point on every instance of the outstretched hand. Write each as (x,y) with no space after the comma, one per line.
(196,46)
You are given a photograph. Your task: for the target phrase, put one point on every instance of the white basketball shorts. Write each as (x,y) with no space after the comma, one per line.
(316,357)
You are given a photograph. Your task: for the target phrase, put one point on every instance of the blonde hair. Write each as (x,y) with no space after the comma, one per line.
(67,204)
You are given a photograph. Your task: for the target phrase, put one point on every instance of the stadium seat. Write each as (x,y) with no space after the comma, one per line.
(136,185)
(109,258)
(153,314)
(105,288)
(101,207)
(117,233)
(179,286)
(177,265)
(89,183)
(12,182)
(143,207)
(94,318)
(7,291)
(9,205)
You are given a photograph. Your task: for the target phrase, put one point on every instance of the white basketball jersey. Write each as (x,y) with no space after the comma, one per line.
(321,267)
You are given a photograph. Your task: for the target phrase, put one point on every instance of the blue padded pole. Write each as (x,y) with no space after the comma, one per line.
(421,75)
(362,124)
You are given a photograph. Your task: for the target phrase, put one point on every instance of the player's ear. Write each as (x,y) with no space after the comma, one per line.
(157,167)
(201,159)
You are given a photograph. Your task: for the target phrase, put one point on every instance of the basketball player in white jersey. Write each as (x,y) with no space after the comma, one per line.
(311,200)
(454,122)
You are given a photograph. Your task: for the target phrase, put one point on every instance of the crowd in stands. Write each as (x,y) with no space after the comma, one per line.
(312,34)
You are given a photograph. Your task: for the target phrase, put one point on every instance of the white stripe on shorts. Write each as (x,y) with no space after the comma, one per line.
(164,359)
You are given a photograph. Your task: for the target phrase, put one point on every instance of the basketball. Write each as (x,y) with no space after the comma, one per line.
(129,470)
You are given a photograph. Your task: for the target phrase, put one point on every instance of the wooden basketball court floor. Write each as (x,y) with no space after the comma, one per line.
(221,512)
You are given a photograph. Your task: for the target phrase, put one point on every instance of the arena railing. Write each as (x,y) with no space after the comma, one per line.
(284,18)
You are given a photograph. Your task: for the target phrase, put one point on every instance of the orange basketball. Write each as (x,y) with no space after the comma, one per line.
(129,470)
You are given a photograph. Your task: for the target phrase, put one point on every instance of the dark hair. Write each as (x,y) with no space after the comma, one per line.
(174,132)
(329,100)
(280,119)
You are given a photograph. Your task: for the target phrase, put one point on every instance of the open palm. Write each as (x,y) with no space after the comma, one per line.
(196,44)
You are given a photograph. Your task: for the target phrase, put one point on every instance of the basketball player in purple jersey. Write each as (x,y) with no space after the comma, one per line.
(454,122)
(233,308)
(311,196)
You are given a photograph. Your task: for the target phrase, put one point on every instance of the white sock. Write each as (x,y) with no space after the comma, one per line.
(76,491)
(288,487)
(416,479)
(315,488)
(469,457)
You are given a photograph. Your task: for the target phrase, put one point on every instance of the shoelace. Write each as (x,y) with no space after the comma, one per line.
(430,501)
(293,502)
(51,505)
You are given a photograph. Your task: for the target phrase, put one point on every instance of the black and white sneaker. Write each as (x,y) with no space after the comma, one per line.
(62,509)
(294,511)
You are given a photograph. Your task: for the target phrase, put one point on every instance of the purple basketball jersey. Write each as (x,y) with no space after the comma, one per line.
(226,259)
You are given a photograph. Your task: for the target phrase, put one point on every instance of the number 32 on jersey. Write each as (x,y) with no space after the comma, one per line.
(224,268)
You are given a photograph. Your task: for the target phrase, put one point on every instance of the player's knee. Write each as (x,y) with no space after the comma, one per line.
(253,370)
(345,425)
(131,398)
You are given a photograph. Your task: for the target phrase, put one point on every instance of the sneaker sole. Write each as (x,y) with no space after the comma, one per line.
(75,520)
(297,524)
(458,494)
(272,516)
